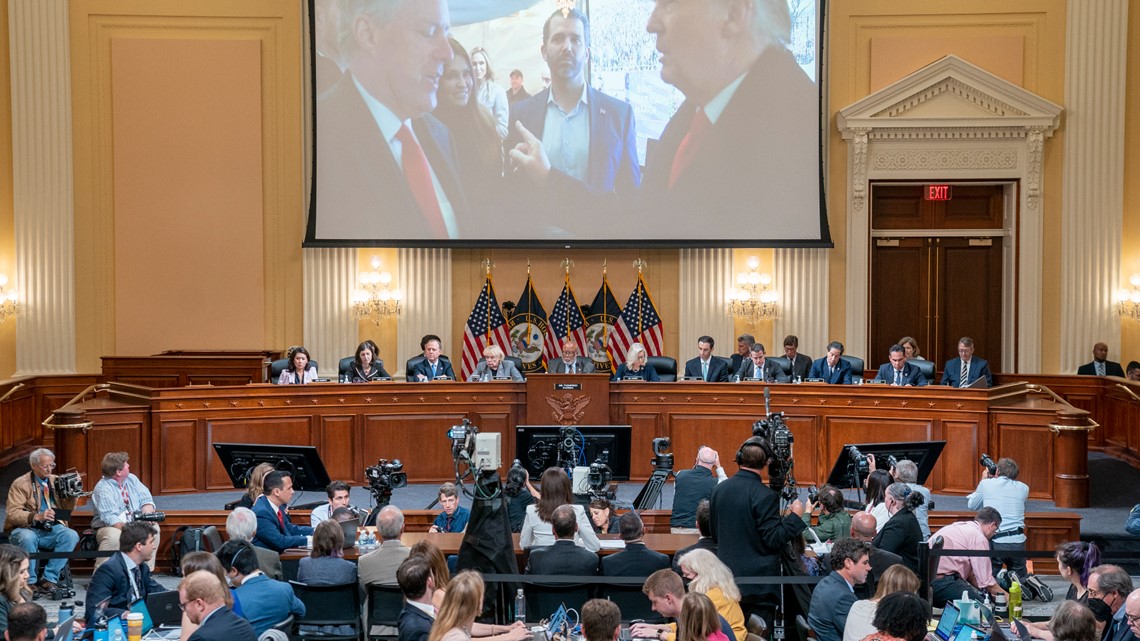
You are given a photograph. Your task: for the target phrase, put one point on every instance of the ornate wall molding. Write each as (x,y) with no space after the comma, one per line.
(958,88)
(939,159)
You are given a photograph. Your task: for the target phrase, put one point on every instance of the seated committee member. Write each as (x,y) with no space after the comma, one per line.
(298,371)
(571,362)
(636,366)
(31,521)
(759,368)
(1100,365)
(337,491)
(125,577)
(241,525)
(743,344)
(367,364)
(831,368)
(203,600)
(495,367)
(898,371)
(274,528)
(433,366)
(705,366)
(964,370)
(801,363)
(454,516)
(116,497)
(264,601)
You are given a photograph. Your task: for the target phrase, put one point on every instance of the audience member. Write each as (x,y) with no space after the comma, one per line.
(1102,614)
(835,593)
(32,523)
(801,363)
(698,620)
(1073,621)
(705,542)
(898,372)
(1132,613)
(1112,585)
(876,485)
(759,368)
(326,564)
(1133,373)
(520,493)
(440,573)
(13,581)
(434,364)
(906,471)
(910,348)
(1100,365)
(1132,525)
(337,491)
(900,617)
(964,370)
(116,498)
(863,529)
(454,516)
(601,620)
(299,371)
(958,574)
(416,582)
(636,559)
(693,486)
(831,368)
(202,560)
(666,591)
(462,604)
(834,521)
(708,576)
(241,525)
(705,366)
(901,534)
(516,92)
(743,345)
(255,485)
(274,528)
(602,517)
(564,556)
(636,366)
(1007,495)
(860,619)
(264,601)
(26,622)
(125,577)
(1075,561)
(554,490)
(380,565)
(203,601)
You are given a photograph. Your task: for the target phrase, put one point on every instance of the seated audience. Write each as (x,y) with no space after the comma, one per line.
(900,617)
(863,529)
(1131,614)
(418,615)
(636,559)
(707,575)
(202,560)
(834,521)
(601,620)
(520,493)
(326,564)
(698,620)
(255,485)
(1100,365)
(367,366)
(299,371)
(564,556)
(831,368)
(116,498)
(27,622)
(706,541)
(666,592)
(602,517)
(833,596)
(125,577)
(32,501)
(275,530)
(241,525)
(13,581)
(264,601)
(203,601)
(337,491)
(636,366)
(463,602)
(1112,585)
(901,534)
(495,366)
(380,566)
(1075,561)
(970,574)
(454,516)
(1073,621)
(906,471)
(860,619)
(554,490)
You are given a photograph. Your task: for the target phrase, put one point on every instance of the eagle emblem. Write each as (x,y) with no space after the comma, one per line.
(568,409)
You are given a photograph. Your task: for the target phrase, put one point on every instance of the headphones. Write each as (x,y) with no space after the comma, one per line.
(758,441)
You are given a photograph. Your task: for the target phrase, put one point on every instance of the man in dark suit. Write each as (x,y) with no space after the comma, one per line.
(801,363)
(1100,365)
(743,344)
(898,371)
(415,579)
(831,368)
(386,168)
(636,559)
(203,598)
(706,542)
(264,602)
(571,362)
(1113,585)
(274,528)
(759,367)
(1132,613)
(432,365)
(972,368)
(705,366)
(833,596)
(125,577)
(564,557)
(863,529)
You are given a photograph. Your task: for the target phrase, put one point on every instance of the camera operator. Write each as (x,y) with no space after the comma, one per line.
(337,492)
(1003,492)
(117,497)
(748,528)
(31,519)
(834,521)
(693,486)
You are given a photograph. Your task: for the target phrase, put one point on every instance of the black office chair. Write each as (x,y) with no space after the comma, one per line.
(518,363)
(783,362)
(213,538)
(666,367)
(806,633)
(858,366)
(344,367)
(274,633)
(543,599)
(279,365)
(928,558)
(328,605)
(384,605)
(926,368)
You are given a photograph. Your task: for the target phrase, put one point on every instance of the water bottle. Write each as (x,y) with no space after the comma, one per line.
(65,612)
(520,606)
(117,633)
(1014,598)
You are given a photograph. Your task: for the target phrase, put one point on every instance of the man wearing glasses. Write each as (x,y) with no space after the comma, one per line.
(1132,613)
(34,523)
(203,597)
(1111,584)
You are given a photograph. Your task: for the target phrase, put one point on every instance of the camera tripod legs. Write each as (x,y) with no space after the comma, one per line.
(651,492)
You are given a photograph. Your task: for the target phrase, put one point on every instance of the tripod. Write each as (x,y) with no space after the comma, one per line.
(650,494)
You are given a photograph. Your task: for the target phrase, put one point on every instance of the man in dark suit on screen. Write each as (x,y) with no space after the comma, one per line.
(203,599)
(705,366)
(898,371)
(1100,365)
(967,368)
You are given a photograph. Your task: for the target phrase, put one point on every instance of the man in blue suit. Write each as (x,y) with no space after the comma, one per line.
(274,528)
(264,601)
(833,596)
(125,577)
(418,615)
(203,598)
(831,368)
(964,370)
(898,371)
(433,364)
(705,366)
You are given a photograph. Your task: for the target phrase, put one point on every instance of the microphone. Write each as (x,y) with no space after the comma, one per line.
(767,402)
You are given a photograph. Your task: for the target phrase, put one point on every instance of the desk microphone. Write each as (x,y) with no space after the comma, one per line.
(767,402)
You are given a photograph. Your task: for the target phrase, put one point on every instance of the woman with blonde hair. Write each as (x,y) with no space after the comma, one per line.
(698,620)
(636,365)
(709,576)
(495,366)
(897,578)
(490,94)
(13,581)
(255,485)
(457,613)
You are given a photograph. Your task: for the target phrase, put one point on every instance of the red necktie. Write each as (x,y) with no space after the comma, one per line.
(418,174)
(698,131)
(281,518)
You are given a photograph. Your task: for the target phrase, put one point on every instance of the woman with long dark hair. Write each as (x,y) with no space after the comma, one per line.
(298,370)
(366,364)
(554,490)
(877,483)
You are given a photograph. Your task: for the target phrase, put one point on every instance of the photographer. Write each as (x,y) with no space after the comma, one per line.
(1003,492)
(834,521)
(692,487)
(117,497)
(31,519)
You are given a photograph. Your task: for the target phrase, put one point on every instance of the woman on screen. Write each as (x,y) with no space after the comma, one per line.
(473,128)
(366,366)
(490,94)
(298,371)
(636,366)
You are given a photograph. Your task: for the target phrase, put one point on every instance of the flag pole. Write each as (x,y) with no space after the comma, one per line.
(487,265)
(640,264)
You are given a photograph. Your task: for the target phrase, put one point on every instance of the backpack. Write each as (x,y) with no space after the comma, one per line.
(187,539)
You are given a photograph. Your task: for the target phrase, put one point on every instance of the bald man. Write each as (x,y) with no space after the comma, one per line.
(1100,365)
(692,487)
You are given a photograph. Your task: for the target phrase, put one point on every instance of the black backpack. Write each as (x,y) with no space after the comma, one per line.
(187,539)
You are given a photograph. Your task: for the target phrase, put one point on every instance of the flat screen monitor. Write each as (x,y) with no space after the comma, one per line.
(538,447)
(302,461)
(924,454)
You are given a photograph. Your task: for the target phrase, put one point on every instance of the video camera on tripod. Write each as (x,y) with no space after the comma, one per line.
(383,478)
(598,480)
(780,440)
(481,454)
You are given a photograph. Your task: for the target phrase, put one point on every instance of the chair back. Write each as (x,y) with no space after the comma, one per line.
(928,561)
(666,367)
(926,368)
(329,604)
(858,365)
(517,361)
(631,600)
(384,605)
(804,629)
(213,538)
(543,600)
(279,365)
(281,631)
(783,362)
(344,366)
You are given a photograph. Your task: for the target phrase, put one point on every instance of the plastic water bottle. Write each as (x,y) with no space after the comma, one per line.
(1014,598)
(520,606)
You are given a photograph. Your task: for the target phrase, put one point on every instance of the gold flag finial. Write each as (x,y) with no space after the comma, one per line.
(487,264)
(567,264)
(604,263)
(640,263)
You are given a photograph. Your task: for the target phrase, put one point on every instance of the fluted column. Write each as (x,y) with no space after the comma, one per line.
(330,329)
(706,275)
(425,279)
(801,280)
(42,186)
(1093,184)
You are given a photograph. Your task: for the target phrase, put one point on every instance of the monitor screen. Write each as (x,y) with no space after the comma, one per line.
(538,447)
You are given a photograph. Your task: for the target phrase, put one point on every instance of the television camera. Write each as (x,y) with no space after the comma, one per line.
(480,454)
(384,477)
(781,445)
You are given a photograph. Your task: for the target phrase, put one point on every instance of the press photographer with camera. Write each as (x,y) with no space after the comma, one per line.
(1000,489)
(692,486)
(118,497)
(31,518)
(834,521)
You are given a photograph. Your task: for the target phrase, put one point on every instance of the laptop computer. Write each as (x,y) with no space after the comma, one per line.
(65,630)
(163,609)
(947,625)
(349,528)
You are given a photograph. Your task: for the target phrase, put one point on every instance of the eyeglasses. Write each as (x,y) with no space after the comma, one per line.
(182,605)
(47,466)
(1132,619)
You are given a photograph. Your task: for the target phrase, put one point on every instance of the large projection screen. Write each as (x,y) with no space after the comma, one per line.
(586,123)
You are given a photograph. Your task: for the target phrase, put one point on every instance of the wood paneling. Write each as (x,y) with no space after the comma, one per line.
(183,369)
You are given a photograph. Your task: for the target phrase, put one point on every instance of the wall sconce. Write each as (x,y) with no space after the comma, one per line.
(1128,301)
(375,301)
(9,300)
(753,300)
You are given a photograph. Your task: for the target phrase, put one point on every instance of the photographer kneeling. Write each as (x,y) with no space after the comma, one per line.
(31,520)
(119,497)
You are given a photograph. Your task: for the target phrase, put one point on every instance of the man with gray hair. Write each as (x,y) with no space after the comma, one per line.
(692,487)
(241,525)
(33,522)
(380,565)
(906,471)
(743,344)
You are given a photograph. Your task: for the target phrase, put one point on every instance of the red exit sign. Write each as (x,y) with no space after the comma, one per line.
(937,192)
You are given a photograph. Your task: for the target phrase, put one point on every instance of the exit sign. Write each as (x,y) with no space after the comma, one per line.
(936,192)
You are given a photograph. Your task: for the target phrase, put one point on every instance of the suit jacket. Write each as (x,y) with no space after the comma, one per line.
(362,192)
(224,625)
(901,535)
(24,503)
(507,369)
(881,560)
(635,560)
(830,602)
(841,376)
(265,602)
(771,371)
(271,535)
(801,365)
(288,377)
(1110,369)
(979,368)
(326,570)
(380,565)
(718,369)
(269,562)
(647,373)
(414,624)
(582,364)
(703,543)
(442,368)
(356,373)
(910,375)
(111,583)
(564,557)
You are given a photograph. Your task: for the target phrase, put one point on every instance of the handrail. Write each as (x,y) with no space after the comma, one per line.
(11,391)
(85,425)
(1121,386)
(1034,387)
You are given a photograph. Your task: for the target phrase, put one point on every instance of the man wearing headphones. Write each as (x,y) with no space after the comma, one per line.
(751,546)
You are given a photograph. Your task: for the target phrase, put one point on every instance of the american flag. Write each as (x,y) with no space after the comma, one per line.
(566,319)
(485,325)
(638,323)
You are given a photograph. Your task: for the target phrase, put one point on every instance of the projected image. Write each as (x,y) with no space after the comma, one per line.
(519,121)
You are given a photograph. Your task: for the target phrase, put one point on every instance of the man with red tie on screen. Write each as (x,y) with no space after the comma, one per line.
(275,530)
(385,167)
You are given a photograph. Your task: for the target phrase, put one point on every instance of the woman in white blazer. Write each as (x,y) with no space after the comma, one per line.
(298,370)
(555,490)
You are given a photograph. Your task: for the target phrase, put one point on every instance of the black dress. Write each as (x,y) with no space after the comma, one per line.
(901,535)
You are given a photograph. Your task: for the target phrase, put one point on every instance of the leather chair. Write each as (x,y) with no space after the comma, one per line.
(332,605)
(416,360)
(384,605)
(666,367)
(344,367)
(279,365)
(518,363)
(783,362)
(926,368)
(858,366)
(631,601)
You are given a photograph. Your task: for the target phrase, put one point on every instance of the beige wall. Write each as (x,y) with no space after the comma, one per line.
(1130,242)
(7,220)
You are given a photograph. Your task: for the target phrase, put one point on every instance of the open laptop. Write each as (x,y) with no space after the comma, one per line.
(65,630)
(349,528)
(947,625)
(163,609)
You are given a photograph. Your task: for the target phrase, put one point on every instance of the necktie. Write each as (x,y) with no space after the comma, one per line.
(433,370)
(571,368)
(704,370)
(756,373)
(126,497)
(699,129)
(136,572)
(281,518)
(447,523)
(1100,369)
(418,174)
(965,374)
(898,377)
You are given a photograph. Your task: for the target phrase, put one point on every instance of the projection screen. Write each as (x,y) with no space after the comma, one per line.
(570,123)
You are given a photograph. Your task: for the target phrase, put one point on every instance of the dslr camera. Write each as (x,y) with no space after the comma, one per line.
(150,517)
(989,464)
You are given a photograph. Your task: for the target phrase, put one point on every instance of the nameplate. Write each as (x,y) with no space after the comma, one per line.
(877,382)
(567,386)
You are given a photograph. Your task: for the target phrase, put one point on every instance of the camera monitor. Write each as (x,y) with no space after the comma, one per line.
(538,447)
(302,461)
(924,454)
